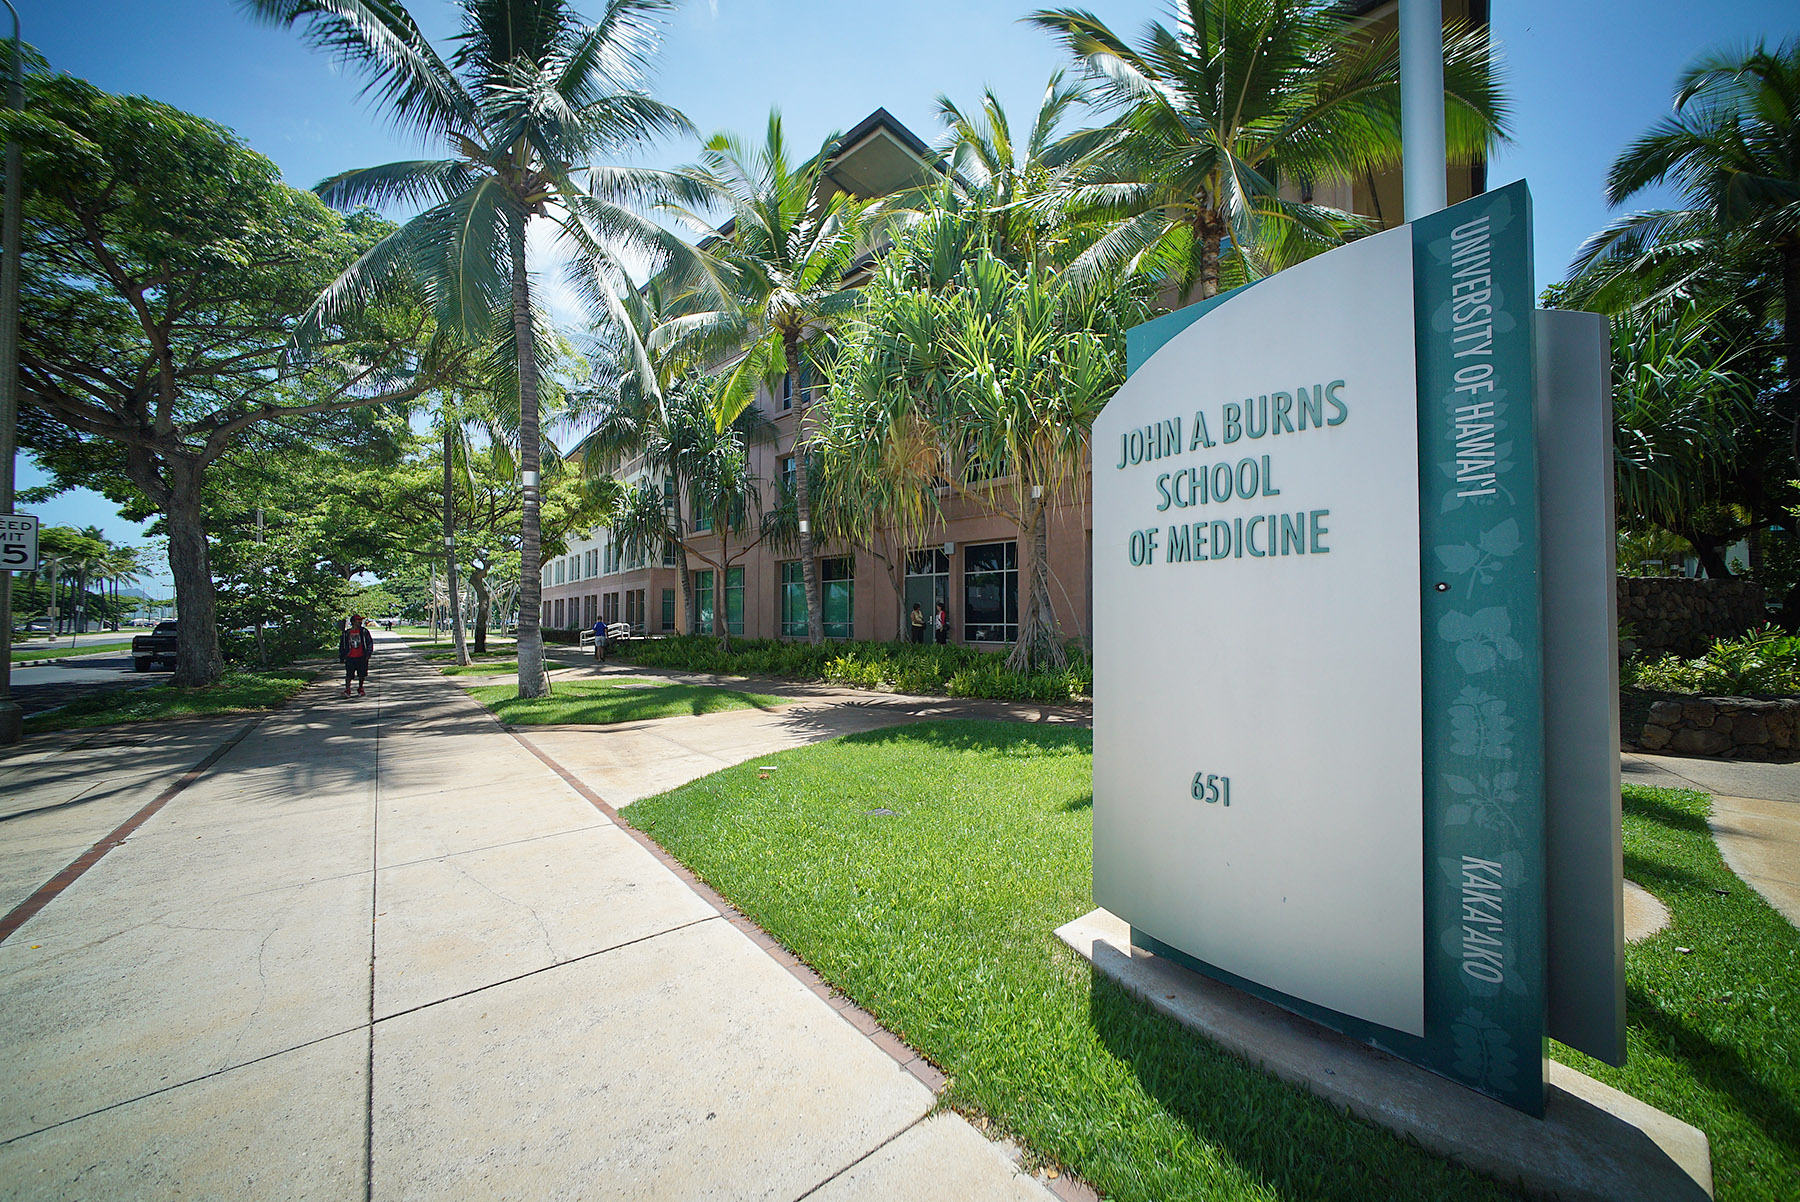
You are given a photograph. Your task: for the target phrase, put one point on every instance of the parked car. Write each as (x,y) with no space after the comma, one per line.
(156,647)
(144,622)
(34,628)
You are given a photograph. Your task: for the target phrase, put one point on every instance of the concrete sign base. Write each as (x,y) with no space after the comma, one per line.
(1594,1143)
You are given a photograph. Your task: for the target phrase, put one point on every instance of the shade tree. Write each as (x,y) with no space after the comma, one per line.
(165,268)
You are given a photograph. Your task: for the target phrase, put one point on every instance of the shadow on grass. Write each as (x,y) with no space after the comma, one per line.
(625,705)
(978,734)
(1654,808)
(1720,1068)
(1299,1145)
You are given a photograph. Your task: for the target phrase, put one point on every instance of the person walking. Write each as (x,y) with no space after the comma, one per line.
(918,624)
(600,640)
(940,624)
(355,648)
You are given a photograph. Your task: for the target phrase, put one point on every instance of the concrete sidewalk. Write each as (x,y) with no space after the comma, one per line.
(381,949)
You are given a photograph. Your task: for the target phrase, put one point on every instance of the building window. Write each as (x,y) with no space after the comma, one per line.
(837,596)
(793,599)
(560,569)
(545,620)
(703,602)
(734,600)
(668,553)
(587,611)
(702,520)
(558,624)
(789,480)
(668,609)
(927,583)
(991,593)
(787,392)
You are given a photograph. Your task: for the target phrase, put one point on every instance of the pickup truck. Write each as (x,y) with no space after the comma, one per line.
(156,647)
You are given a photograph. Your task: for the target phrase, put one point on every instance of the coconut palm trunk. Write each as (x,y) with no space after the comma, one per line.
(454,590)
(531,638)
(809,563)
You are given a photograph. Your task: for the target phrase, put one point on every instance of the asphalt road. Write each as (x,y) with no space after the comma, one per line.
(50,685)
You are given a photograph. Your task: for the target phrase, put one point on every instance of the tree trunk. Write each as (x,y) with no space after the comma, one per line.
(1209,266)
(484,606)
(197,658)
(721,631)
(531,639)
(1708,552)
(809,567)
(1040,640)
(453,589)
(1790,333)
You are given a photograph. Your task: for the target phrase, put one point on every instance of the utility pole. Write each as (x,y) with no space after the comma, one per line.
(1423,159)
(11,720)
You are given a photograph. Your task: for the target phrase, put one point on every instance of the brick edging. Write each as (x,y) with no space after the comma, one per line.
(46,893)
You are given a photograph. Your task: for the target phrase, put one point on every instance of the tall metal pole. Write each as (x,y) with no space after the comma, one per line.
(11,720)
(1422,106)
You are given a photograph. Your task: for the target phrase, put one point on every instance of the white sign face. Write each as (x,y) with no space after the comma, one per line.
(18,542)
(1257,708)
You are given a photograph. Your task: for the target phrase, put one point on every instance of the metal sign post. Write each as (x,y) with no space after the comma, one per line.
(1422,106)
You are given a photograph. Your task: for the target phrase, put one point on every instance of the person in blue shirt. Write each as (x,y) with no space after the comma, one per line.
(600,641)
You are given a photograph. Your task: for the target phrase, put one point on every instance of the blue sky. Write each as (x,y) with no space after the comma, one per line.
(1586,76)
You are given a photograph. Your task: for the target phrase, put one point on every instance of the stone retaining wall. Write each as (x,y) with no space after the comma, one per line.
(1671,613)
(1744,728)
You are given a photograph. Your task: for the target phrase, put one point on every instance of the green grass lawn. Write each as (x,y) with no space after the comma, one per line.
(481,667)
(602,702)
(1713,1002)
(62,650)
(939,920)
(238,692)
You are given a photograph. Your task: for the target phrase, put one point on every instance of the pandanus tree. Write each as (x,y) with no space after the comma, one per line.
(791,246)
(986,383)
(528,103)
(1214,115)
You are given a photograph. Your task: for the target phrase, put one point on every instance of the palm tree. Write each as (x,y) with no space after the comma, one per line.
(1733,146)
(531,96)
(1009,180)
(1215,114)
(791,245)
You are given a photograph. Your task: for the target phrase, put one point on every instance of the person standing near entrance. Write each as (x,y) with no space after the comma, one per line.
(940,624)
(600,640)
(355,648)
(918,624)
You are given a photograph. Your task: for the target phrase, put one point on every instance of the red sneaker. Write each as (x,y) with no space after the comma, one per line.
(346,690)
(361,692)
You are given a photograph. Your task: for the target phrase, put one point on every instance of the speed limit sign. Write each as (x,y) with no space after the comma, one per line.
(18,542)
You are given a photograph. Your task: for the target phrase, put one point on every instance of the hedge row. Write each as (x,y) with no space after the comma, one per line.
(904,667)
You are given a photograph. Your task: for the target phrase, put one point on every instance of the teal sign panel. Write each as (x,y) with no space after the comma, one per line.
(1481,664)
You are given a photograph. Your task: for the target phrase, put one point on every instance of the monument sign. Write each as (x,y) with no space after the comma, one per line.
(1319,686)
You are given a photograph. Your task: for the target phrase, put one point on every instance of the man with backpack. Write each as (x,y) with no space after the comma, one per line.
(355,648)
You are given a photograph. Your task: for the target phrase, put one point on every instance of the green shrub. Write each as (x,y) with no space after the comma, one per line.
(1764,661)
(906,667)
